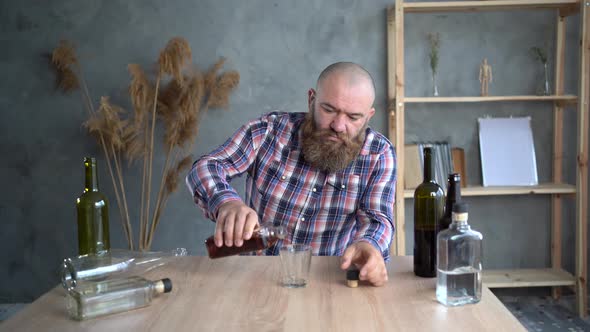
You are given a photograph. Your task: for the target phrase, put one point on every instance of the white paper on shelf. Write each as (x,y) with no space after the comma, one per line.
(507,152)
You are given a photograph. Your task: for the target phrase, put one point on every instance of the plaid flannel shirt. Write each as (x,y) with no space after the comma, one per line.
(328,211)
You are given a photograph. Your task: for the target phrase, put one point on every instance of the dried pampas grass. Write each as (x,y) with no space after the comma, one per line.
(105,124)
(109,127)
(225,85)
(67,81)
(173,176)
(141,91)
(178,96)
(64,55)
(174,57)
(63,59)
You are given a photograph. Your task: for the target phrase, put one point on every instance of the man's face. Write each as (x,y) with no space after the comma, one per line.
(334,130)
(341,108)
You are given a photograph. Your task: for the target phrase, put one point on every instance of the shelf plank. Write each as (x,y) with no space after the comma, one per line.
(543,189)
(527,278)
(491,5)
(567,99)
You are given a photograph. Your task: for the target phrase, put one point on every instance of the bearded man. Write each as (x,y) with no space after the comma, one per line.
(324,175)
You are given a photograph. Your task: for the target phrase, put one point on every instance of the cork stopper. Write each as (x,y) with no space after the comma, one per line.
(352,278)
(163,286)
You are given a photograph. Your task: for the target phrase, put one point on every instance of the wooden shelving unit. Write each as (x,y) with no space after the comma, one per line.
(565,100)
(542,189)
(554,275)
(528,278)
(480,6)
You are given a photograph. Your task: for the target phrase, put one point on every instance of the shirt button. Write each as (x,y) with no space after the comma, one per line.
(303,219)
(314,190)
(343,186)
(283,178)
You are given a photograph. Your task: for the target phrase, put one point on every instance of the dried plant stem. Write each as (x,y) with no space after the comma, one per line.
(127,229)
(124,221)
(90,109)
(162,203)
(151,157)
(141,217)
(160,194)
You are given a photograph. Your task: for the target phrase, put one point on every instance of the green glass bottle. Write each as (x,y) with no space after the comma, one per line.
(93,214)
(428,210)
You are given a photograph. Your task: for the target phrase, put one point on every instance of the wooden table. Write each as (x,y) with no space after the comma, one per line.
(243,294)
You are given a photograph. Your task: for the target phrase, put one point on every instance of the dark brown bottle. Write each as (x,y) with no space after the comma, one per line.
(428,210)
(262,238)
(453,196)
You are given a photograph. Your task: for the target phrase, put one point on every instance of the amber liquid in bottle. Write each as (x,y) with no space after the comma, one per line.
(262,238)
(256,242)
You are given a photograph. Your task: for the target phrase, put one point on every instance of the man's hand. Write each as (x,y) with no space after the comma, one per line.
(368,259)
(235,223)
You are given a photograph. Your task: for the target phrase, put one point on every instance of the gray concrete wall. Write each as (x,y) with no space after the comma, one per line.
(279,47)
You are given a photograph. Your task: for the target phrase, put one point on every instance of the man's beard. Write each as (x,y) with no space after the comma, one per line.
(327,155)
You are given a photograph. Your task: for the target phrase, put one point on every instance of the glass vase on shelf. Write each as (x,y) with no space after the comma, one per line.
(434,85)
(114,263)
(546,90)
(542,88)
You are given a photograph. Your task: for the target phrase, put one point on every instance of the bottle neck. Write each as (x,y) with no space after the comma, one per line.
(453,193)
(272,232)
(460,219)
(428,166)
(91,182)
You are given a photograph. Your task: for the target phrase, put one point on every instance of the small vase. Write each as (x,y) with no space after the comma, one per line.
(434,85)
(546,90)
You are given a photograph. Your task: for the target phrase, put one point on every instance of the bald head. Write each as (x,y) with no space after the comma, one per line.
(353,74)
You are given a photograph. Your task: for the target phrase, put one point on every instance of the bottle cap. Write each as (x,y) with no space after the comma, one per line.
(455,176)
(352,278)
(167,285)
(89,162)
(460,207)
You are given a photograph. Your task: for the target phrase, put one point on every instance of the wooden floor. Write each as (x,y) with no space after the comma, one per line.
(538,313)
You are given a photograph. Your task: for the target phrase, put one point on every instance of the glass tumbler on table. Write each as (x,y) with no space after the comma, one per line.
(295,263)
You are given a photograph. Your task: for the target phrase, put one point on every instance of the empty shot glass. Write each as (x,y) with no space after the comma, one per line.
(295,263)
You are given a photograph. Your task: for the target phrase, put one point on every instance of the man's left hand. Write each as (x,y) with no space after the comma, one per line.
(368,260)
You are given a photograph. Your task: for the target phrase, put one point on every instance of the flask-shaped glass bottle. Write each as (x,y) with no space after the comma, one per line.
(115,263)
(459,261)
(112,296)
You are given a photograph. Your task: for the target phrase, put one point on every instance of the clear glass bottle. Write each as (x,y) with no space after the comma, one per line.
(93,214)
(428,209)
(453,196)
(112,296)
(263,237)
(114,263)
(459,261)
